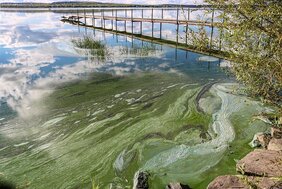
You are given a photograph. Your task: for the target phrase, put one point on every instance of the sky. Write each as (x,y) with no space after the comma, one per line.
(125,1)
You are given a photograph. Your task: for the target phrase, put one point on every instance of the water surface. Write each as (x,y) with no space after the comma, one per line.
(70,119)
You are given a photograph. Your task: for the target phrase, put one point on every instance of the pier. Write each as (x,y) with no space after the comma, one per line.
(131,22)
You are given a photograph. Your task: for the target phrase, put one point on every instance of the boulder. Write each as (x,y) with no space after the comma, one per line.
(228,181)
(261,163)
(276,132)
(264,182)
(177,186)
(275,144)
(141,180)
(260,139)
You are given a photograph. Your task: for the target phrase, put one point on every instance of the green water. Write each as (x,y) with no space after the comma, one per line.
(69,119)
(105,129)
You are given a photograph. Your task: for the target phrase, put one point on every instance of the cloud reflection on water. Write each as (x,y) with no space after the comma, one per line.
(35,47)
(40,55)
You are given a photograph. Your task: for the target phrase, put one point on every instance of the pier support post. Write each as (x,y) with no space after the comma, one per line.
(177,22)
(161,24)
(187,26)
(84,16)
(212,28)
(141,23)
(104,19)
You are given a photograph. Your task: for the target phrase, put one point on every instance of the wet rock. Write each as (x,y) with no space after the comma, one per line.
(177,186)
(141,180)
(260,139)
(276,132)
(275,144)
(264,182)
(228,181)
(261,163)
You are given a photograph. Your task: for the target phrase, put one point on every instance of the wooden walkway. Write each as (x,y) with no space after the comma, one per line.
(156,40)
(150,20)
(88,19)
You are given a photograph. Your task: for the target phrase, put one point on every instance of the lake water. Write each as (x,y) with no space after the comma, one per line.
(72,119)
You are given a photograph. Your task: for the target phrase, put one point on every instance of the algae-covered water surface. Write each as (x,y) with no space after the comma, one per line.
(75,117)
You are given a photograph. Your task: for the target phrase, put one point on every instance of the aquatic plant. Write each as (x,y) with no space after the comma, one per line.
(94,48)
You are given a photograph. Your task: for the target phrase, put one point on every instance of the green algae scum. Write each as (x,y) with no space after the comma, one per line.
(139,110)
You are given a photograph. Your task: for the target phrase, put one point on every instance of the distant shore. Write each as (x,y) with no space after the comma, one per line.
(87,5)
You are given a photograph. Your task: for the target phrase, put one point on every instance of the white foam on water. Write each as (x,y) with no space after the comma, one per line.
(21,144)
(119,95)
(97,112)
(171,86)
(53,121)
(221,126)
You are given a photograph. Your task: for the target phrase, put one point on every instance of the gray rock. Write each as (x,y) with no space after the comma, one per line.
(177,186)
(141,180)
(261,163)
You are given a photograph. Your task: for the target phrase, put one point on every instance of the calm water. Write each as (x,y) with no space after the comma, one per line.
(69,119)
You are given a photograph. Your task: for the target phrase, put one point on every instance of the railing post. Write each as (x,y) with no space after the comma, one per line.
(104,18)
(77,17)
(141,23)
(131,21)
(112,19)
(116,19)
(101,18)
(125,19)
(152,17)
(188,14)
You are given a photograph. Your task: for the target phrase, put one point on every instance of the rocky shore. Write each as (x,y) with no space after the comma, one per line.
(260,169)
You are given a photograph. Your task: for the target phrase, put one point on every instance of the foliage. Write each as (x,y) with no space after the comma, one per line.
(253,39)
(199,38)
